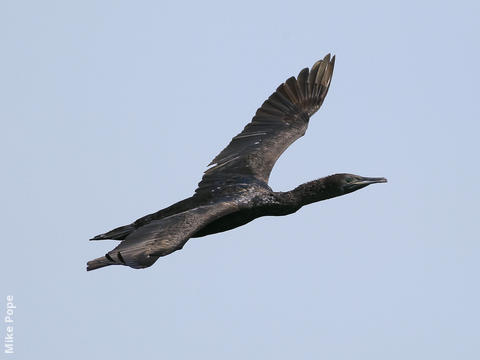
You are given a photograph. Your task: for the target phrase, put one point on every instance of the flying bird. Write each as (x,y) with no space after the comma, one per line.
(234,190)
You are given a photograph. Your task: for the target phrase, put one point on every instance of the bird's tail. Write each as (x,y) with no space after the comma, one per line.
(99,263)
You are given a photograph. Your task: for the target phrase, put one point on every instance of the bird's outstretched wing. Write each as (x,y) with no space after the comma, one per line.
(158,238)
(281,120)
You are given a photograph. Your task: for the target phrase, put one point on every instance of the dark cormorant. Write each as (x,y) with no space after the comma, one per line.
(234,191)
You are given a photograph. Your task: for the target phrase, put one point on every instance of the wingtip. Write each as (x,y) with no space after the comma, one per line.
(329,58)
(97,237)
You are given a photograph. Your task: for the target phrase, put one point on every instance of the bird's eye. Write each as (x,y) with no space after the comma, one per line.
(348,179)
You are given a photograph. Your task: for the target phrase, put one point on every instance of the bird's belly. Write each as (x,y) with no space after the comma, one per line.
(227,222)
(243,217)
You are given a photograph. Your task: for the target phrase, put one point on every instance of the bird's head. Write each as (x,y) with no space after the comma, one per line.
(347,183)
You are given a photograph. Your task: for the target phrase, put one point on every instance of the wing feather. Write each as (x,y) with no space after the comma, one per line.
(282,119)
(161,237)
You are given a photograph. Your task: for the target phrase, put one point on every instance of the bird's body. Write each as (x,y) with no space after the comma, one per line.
(235,191)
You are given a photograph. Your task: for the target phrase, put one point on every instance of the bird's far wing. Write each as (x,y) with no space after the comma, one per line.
(281,120)
(158,238)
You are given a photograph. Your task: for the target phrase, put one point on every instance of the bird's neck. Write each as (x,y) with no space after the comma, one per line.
(312,191)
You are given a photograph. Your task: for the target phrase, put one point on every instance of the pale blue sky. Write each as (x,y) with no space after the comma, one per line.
(112,109)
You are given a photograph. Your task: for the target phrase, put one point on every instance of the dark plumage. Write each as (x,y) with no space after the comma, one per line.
(234,190)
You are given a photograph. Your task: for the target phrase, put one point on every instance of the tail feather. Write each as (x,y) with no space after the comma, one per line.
(99,263)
